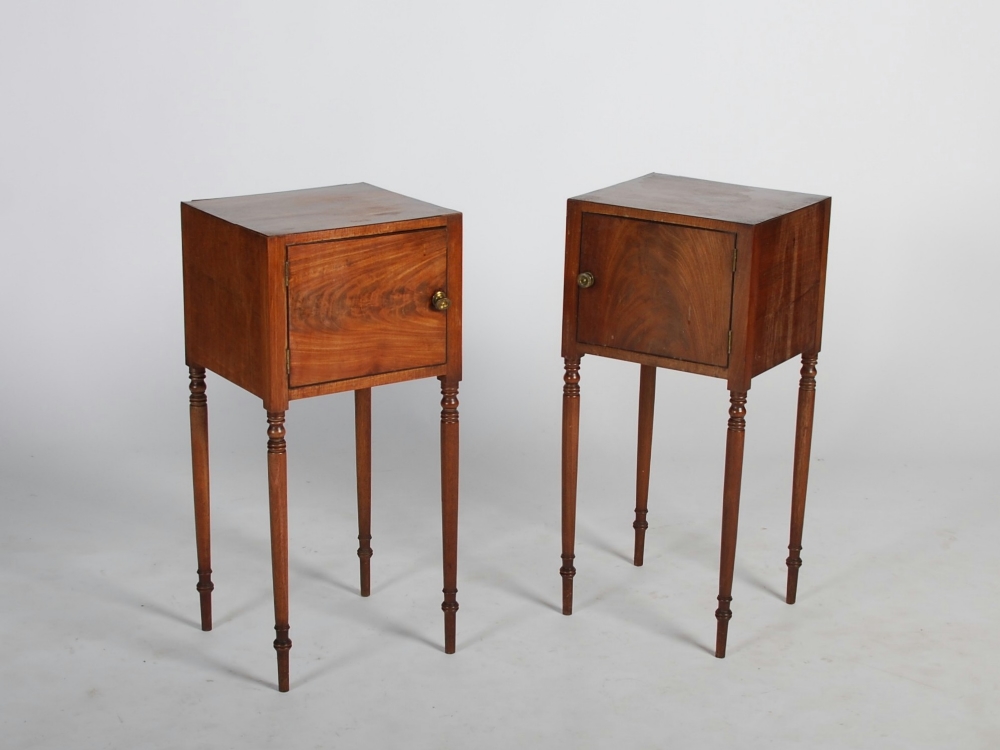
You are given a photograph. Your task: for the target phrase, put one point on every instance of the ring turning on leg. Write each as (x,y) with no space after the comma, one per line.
(199,469)
(570,456)
(730,515)
(363,453)
(449,506)
(800,471)
(277,484)
(647,394)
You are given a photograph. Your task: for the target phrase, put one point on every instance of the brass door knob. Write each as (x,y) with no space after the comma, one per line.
(439,302)
(585,280)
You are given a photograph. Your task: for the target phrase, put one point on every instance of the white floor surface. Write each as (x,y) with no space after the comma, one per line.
(893,643)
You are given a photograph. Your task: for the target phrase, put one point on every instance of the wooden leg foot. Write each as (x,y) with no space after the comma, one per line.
(205,588)
(794,562)
(800,472)
(199,469)
(282,644)
(567,571)
(449,506)
(450,608)
(722,615)
(570,461)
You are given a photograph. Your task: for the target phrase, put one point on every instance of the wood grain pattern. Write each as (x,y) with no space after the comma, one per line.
(363,456)
(276,398)
(660,289)
(800,472)
(730,516)
(362,306)
(717,201)
(225,299)
(789,255)
(277,485)
(644,452)
(574,219)
(199,471)
(453,287)
(570,464)
(318,209)
(449,507)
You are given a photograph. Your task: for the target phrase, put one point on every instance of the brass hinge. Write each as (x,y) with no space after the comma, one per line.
(729,346)
(734,262)
(288,362)
(288,273)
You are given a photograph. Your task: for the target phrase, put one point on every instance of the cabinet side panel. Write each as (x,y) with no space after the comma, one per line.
(570,271)
(825,208)
(454,291)
(225,282)
(789,254)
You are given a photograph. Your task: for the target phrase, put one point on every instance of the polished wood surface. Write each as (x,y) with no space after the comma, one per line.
(363,456)
(702,277)
(225,300)
(199,471)
(454,292)
(318,209)
(310,292)
(789,266)
(236,297)
(800,472)
(705,199)
(774,273)
(660,289)
(644,452)
(363,306)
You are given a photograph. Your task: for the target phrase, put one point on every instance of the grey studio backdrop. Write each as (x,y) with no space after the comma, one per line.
(114,112)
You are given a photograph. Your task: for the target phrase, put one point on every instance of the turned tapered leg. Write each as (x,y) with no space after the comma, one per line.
(363,451)
(800,473)
(730,515)
(570,458)
(449,506)
(199,471)
(647,394)
(277,485)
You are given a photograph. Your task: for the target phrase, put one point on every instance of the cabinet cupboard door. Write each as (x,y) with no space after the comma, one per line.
(659,289)
(362,306)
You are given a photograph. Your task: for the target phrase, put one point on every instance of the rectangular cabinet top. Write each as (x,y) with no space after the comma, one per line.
(686,196)
(318,209)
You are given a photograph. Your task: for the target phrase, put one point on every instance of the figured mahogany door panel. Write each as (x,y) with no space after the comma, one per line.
(362,306)
(658,289)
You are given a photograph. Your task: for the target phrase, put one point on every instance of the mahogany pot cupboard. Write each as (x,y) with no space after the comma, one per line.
(309,292)
(704,277)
